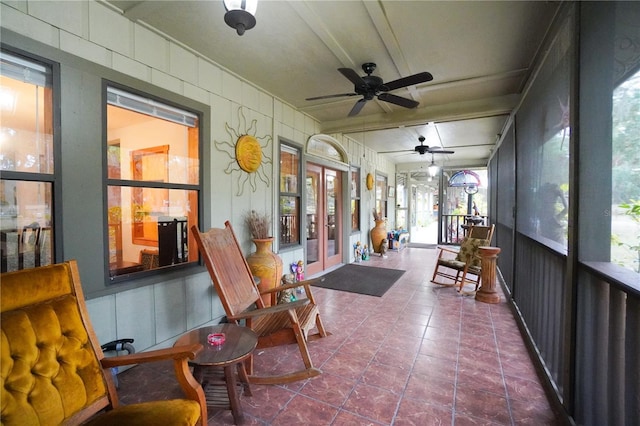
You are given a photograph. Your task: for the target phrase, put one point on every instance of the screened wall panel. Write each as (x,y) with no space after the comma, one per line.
(543,129)
(504,163)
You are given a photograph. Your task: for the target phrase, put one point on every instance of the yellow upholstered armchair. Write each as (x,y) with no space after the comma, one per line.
(53,370)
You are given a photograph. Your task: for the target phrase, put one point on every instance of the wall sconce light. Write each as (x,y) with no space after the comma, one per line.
(240,14)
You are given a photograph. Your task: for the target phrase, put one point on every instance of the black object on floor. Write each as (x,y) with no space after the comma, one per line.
(369,280)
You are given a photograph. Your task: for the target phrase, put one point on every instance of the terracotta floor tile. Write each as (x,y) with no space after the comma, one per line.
(389,377)
(346,418)
(420,355)
(333,390)
(484,405)
(373,403)
(431,389)
(416,413)
(481,380)
(306,411)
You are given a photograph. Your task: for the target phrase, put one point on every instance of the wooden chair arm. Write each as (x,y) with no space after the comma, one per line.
(304,283)
(179,354)
(176,353)
(270,310)
(449,250)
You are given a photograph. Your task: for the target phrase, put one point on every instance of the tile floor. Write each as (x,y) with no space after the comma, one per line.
(419,355)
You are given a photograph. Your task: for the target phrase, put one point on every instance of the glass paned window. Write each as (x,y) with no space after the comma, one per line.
(153,184)
(26,162)
(290,193)
(401,201)
(381,195)
(355,199)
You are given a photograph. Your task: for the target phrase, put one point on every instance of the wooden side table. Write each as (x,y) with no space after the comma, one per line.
(487,292)
(214,366)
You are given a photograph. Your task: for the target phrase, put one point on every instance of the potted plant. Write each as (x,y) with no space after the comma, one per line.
(263,263)
(259,225)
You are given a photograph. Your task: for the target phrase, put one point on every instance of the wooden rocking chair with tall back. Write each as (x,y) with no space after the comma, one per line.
(281,324)
(54,371)
(464,268)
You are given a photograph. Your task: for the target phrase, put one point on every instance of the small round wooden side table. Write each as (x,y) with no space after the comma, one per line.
(214,365)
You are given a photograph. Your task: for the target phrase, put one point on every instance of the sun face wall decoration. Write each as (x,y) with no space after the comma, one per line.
(248,157)
(369,181)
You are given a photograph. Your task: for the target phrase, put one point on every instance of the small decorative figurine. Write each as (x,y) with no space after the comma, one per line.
(300,271)
(365,252)
(384,246)
(287,295)
(357,251)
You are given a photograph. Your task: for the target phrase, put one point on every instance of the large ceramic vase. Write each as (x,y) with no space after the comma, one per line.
(378,233)
(266,265)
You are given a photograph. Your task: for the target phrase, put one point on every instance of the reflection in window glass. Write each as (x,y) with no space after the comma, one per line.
(290,195)
(153,184)
(625,218)
(26,147)
(355,199)
(381,195)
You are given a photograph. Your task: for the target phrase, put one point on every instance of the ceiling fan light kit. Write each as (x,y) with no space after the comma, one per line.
(371,86)
(433,168)
(240,14)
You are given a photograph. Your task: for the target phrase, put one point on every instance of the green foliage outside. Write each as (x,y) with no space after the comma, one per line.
(625,237)
(633,210)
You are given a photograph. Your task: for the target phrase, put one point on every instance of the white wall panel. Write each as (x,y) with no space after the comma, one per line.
(80,47)
(151,49)
(135,316)
(108,29)
(170,309)
(183,64)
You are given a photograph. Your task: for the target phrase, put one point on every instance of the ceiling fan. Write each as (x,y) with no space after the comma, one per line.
(370,86)
(422,149)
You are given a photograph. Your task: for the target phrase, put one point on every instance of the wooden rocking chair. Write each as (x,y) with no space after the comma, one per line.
(275,325)
(465,267)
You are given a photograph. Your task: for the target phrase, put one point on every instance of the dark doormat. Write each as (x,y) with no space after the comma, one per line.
(369,280)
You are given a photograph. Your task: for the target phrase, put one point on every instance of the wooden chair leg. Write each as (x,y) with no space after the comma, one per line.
(249,365)
(242,373)
(435,273)
(302,345)
(234,401)
(320,326)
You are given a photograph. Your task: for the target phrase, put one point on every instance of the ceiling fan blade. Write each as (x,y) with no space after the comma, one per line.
(440,151)
(411,80)
(395,152)
(353,77)
(403,102)
(357,107)
(331,96)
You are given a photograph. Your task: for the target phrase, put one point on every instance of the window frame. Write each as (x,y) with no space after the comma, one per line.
(297,194)
(108,182)
(355,175)
(55,178)
(381,182)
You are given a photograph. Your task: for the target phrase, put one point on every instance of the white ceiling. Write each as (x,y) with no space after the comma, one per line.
(480,54)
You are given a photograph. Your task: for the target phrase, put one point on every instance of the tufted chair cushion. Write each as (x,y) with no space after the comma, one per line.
(469,251)
(49,370)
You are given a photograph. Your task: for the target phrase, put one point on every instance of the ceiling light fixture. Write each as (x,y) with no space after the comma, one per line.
(240,14)
(433,168)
